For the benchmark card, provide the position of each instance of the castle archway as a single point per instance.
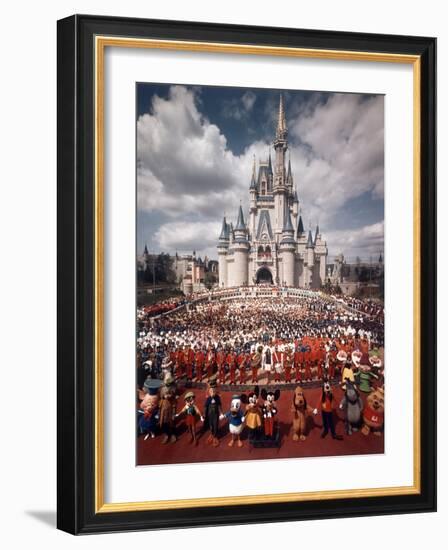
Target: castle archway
(264, 276)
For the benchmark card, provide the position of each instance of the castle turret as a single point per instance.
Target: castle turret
(240, 249)
(300, 228)
(289, 178)
(309, 258)
(316, 235)
(223, 249)
(320, 253)
(280, 186)
(287, 251)
(253, 200)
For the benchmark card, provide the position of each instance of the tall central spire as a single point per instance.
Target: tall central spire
(281, 123)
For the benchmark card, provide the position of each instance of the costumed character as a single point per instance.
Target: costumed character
(364, 375)
(347, 374)
(377, 364)
(148, 413)
(167, 410)
(192, 415)
(253, 414)
(373, 413)
(326, 404)
(352, 406)
(212, 412)
(300, 410)
(269, 410)
(235, 418)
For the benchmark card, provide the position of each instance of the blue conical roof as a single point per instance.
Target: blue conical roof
(224, 230)
(287, 226)
(310, 243)
(240, 225)
(300, 228)
(316, 234)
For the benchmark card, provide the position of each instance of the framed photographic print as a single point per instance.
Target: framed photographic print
(246, 274)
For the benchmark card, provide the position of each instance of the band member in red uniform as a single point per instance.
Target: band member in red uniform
(179, 368)
(297, 363)
(255, 362)
(221, 362)
(287, 364)
(231, 362)
(332, 362)
(189, 360)
(307, 361)
(241, 361)
(277, 359)
(210, 363)
(199, 358)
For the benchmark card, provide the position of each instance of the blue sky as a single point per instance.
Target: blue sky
(195, 148)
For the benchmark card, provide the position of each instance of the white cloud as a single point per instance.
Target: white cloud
(340, 152)
(185, 169)
(239, 108)
(364, 242)
(183, 162)
(188, 236)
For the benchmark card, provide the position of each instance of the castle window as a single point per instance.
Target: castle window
(263, 187)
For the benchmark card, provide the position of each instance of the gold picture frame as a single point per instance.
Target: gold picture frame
(98, 34)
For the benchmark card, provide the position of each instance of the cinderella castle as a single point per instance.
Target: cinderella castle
(272, 246)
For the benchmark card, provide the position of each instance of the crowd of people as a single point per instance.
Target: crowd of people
(240, 340)
(368, 306)
(148, 311)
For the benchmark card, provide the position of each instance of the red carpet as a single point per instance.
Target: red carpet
(152, 451)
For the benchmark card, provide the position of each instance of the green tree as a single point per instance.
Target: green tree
(209, 279)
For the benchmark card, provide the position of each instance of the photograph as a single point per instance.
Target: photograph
(260, 269)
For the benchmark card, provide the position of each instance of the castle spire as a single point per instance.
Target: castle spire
(287, 226)
(252, 182)
(310, 243)
(145, 251)
(224, 236)
(240, 225)
(281, 122)
(300, 228)
(270, 162)
(316, 234)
